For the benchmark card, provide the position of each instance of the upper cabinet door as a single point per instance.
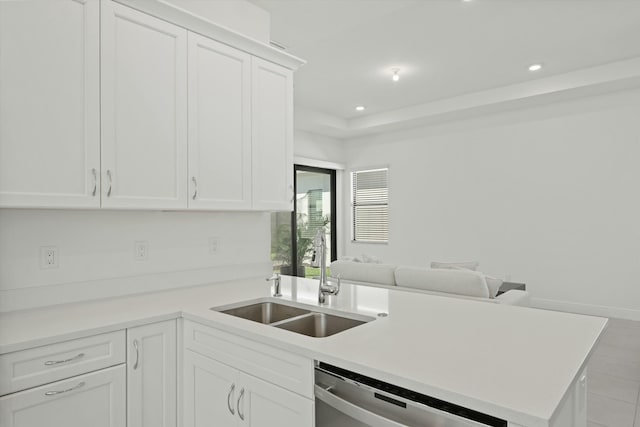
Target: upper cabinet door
(49, 104)
(272, 136)
(219, 125)
(144, 110)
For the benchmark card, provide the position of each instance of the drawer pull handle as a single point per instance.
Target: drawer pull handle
(57, 362)
(229, 405)
(56, 392)
(195, 186)
(95, 182)
(110, 183)
(240, 414)
(135, 345)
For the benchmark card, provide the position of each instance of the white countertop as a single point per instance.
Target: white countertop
(510, 362)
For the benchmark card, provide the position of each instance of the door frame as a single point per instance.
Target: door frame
(294, 213)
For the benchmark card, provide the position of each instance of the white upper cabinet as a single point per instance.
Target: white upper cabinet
(272, 136)
(219, 125)
(49, 104)
(144, 110)
(103, 105)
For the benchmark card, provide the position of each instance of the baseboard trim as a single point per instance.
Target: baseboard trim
(590, 309)
(41, 296)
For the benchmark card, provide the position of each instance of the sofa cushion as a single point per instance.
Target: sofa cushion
(364, 272)
(469, 265)
(452, 281)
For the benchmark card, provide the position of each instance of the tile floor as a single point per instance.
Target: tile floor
(614, 377)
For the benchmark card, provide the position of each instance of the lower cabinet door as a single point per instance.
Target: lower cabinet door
(151, 375)
(266, 405)
(97, 399)
(210, 392)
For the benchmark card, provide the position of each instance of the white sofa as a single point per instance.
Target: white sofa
(459, 283)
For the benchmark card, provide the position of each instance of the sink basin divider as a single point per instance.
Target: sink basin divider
(280, 322)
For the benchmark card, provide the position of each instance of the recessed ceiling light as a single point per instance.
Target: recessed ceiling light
(360, 108)
(467, 1)
(535, 67)
(396, 75)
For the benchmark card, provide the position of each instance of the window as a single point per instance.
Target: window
(370, 204)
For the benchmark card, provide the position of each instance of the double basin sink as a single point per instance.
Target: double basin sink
(300, 319)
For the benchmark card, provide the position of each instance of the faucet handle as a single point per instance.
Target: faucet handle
(276, 276)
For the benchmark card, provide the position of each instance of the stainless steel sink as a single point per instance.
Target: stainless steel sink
(295, 318)
(265, 312)
(319, 325)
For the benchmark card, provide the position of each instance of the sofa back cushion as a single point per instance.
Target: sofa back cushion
(459, 282)
(382, 274)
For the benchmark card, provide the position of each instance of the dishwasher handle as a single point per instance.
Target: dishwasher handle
(354, 411)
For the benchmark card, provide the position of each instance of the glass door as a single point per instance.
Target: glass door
(315, 208)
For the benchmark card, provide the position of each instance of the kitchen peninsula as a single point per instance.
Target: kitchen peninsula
(485, 357)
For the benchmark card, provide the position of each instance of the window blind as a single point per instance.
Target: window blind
(370, 203)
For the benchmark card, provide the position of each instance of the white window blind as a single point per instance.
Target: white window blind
(370, 204)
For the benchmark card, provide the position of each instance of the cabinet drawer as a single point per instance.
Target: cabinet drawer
(96, 399)
(41, 365)
(276, 366)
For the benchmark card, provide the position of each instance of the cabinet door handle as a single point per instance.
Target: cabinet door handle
(229, 398)
(56, 392)
(135, 345)
(110, 183)
(195, 186)
(240, 414)
(293, 194)
(57, 362)
(95, 182)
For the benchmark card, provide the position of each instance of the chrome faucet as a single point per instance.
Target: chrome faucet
(324, 288)
(276, 284)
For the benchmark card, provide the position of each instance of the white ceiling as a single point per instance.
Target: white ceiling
(445, 48)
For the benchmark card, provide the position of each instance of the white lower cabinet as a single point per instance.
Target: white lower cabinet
(266, 405)
(151, 375)
(96, 399)
(220, 395)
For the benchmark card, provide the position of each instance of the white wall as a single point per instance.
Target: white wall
(96, 252)
(549, 196)
(325, 152)
(318, 147)
(239, 15)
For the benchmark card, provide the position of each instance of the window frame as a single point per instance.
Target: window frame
(352, 204)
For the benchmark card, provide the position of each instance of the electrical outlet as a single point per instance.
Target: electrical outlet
(141, 250)
(213, 245)
(48, 257)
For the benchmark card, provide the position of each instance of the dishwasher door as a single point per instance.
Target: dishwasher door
(344, 402)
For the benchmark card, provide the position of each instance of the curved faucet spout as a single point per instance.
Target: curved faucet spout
(324, 288)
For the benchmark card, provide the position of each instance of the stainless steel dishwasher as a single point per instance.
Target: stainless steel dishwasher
(348, 399)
